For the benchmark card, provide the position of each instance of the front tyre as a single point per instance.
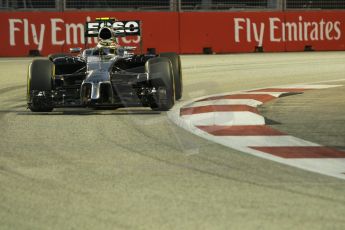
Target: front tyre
(40, 76)
(177, 72)
(161, 77)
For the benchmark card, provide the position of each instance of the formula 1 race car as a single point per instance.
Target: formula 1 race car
(108, 75)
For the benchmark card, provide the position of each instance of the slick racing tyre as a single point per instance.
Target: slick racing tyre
(176, 67)
(40, 77)
(161, 76)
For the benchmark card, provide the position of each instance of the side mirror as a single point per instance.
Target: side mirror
(75, 50)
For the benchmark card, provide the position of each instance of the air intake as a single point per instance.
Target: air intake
(105, 33)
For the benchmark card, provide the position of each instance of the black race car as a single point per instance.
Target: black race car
(107, 75)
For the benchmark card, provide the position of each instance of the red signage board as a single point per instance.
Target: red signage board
(275, 31)
(227, 32)
(186, 32)
(51, 32)
(321, 30)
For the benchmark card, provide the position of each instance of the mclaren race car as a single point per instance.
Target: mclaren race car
(107, 75)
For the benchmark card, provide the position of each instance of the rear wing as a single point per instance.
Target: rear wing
(120, 28)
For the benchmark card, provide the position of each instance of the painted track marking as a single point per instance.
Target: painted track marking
(232, 119)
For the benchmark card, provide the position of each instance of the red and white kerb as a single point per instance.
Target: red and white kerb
(233, 120)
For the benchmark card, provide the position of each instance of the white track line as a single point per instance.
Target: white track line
(225, 118)
(250, 102)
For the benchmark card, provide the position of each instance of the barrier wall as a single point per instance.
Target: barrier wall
(186, 32)
(52, 32)
(227, 32)
(274, 31)
(322, 30)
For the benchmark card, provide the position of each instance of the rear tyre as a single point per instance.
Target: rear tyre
(176, 67)
(161, 77)
(40, 77)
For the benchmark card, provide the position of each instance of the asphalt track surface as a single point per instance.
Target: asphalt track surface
(134, 169)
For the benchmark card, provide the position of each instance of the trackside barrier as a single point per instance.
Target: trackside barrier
(51, 32)
(273, 31)
(323, 31)
(184, 32)
(227, 32)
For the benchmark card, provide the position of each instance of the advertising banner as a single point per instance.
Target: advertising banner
(52, 32)
(231, 32)
(321, 30)
(185, 32)
(226, 32)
